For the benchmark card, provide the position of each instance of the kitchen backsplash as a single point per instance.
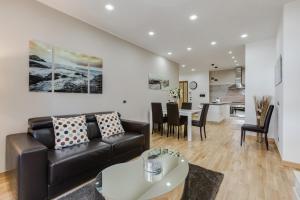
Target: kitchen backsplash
(226, 95)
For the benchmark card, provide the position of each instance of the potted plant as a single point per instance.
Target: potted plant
(175, 94)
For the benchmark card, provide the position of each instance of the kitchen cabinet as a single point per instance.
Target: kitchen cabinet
(218, 112)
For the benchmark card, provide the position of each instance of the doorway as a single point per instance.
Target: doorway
(183, 86)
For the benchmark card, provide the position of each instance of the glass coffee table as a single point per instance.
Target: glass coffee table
(154, 174)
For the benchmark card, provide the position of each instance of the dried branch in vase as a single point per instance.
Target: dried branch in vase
(261, 108)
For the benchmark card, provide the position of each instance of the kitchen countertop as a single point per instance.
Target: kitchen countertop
(219, 104)
(226, 103)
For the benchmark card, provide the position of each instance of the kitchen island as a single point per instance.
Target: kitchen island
(218, 112)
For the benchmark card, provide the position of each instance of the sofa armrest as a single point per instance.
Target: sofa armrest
(138, 127)
(27, 158)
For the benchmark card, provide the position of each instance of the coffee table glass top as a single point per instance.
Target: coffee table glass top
(154, 173)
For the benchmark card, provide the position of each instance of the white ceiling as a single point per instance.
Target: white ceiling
(218, 20)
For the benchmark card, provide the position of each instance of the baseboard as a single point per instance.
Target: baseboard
(291, 164)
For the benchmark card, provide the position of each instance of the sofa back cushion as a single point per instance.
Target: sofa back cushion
(41, 128)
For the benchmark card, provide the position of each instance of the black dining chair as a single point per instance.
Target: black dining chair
(186, 106)
(202, 122)
(174, 119)
(157, 117)
(258, 129)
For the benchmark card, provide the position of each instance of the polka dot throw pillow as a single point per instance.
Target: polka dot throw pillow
(109, 124)
(69, 131)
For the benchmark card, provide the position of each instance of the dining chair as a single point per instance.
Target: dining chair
(157, 117)
(186, 105)
(258, 129)
(202, 122)
(174, 119)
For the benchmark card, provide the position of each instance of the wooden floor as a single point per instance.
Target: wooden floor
(5, 191)
(250, 171)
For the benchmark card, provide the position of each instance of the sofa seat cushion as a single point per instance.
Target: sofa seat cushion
(122, 143)
(75, 160)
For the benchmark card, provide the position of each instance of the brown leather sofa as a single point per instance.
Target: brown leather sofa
(41, 172)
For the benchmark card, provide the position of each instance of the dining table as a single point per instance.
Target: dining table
(189, 114)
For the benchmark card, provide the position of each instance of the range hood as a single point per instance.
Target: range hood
(238, 80)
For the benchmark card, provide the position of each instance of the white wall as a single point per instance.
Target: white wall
(259, 77)
(202, 79)
(286, 94)
(291, 82)
(126, 69)
(279, 95)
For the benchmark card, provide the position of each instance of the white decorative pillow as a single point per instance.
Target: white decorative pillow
(69, 131)
(109, 124)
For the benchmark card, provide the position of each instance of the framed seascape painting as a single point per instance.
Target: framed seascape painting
(155, 82)
(40, 67)
(95, 75)
(60, 70)
(70, 72)
(77, 73)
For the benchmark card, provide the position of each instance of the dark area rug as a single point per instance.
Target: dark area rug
(200, 184)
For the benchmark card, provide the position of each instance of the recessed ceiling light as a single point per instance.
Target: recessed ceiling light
(189, 48)
(233, 57)
(213, 43)
(183, 66)
(245, 35)
(192, 69)
(109, 7)
(237, 64)
(193, 17)
(168, 184)
(151, 33)
(235, 61)
(230, 52)
(170, 53)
